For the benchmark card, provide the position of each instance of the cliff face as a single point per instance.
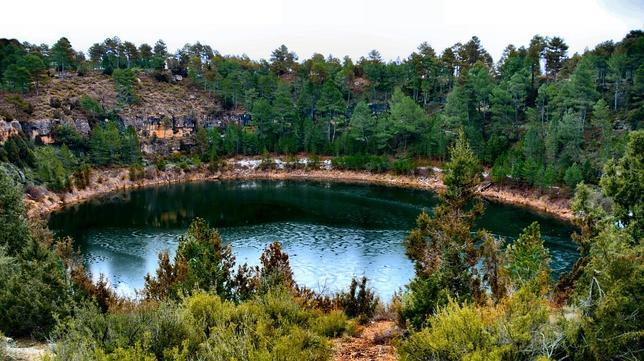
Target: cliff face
(165, 118)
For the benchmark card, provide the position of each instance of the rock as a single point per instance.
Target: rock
(150, 172)
(178, 78)
(35, 192)
(422, 171)
(8, 129)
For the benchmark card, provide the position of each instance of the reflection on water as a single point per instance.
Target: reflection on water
(331, 231)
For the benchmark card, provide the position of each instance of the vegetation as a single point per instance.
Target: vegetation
(543, 126)
(517, 315)
(575, 123)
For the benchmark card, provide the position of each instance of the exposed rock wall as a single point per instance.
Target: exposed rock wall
(8, 129)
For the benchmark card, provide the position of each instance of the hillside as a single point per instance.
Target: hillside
(166, 113)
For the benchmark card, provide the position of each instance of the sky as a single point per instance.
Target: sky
(336, 27)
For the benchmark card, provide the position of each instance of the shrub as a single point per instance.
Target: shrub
(377, 164)
(201, 326)
(20, 104)
(403, 166)
(359, 301)
(334, 324)
(82, 176)
(314, 161)
(202, 262)
(456, 333)
(425, 294)
(33, 291)
(91, 107)
(275, 268)
(68, 135)
(370, 163)
(124, 84)
(573, 175)
(51, 170)
(161, 164)
(136, 172)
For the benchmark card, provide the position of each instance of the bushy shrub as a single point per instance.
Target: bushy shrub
(456, 333)
(20, 104)
(425, 294)
(91, 107)
(201, 262)
(52, 168)
(68, 135)
(403, 166)
(202, 326)
(136, 172)
(359, 301)
(371, 163)
(34, 291)
(82, 176)
(333, 324)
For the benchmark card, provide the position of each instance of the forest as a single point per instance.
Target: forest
(538, 117)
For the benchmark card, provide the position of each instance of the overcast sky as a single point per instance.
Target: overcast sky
(337, 27)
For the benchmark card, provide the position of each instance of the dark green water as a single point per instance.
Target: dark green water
(332, 231)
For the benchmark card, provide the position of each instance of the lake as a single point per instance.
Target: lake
(331, 231)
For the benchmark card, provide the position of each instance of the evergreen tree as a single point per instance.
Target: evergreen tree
(62, 54)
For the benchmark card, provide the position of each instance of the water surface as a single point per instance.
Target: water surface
(331, 231)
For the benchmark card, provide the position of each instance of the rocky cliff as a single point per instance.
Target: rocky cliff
(165, 118)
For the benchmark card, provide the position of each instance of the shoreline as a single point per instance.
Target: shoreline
(109, 180)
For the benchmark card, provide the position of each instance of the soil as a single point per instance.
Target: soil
(367, 345)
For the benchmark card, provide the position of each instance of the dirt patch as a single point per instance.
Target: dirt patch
(26, 350)
(367, 344)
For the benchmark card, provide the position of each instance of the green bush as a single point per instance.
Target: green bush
(359, 301)
(371, 163)
(136, 172)
(34, 291)
(125, 86)
(403, 166)
(92, 108)
(573, 176)
(456, 333)
(424, 296)
(333, 324)
(51, 167)
(201, 326)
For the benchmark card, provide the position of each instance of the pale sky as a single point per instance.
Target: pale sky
(337, 27)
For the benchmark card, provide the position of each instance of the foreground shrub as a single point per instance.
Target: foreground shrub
(34, 290)
(521, 327)
(359, 301)
(333, 324)
(456, 333)
(202, 262)
(424, 296)
(201, 327)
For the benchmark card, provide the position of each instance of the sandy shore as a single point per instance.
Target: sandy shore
(105, 181)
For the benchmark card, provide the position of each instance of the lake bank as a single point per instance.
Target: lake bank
(104, 181)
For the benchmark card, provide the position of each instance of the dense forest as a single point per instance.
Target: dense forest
(538, 116)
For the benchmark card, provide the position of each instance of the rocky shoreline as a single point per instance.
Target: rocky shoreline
(104, 181)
